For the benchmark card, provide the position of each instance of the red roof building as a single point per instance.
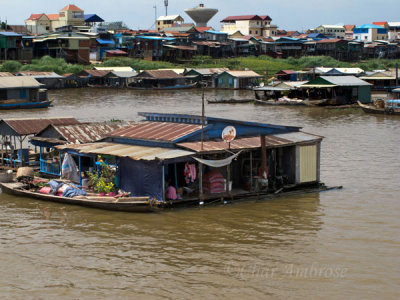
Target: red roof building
(71, 7)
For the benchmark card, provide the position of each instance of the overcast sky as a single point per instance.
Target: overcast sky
(287, 14)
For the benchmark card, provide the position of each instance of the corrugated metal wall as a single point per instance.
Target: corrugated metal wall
(308, 163)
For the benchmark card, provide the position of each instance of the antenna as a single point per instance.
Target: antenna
(166, 7)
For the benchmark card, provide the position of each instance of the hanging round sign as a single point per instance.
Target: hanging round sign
(229, 134)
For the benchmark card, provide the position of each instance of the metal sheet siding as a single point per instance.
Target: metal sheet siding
(308, 163)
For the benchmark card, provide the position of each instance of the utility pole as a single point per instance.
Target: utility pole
(166, 7)
(155, 17)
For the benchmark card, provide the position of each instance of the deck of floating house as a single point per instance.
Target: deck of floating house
(151, 154)
(14, 133)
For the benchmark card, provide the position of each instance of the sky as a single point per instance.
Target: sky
(286, 14)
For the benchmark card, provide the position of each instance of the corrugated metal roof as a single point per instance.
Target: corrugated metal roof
(131, 151)
(122, 74)
(33, 126)
(116, 69)
(94, 73)
(248, 73)
(160, 74)
(159, 131)
(5, 74)
(345, 80)
(9, 33)
(19, 82)
(37, 74)
(271, 141)
(86, 133)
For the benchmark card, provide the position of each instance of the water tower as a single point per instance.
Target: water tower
(201, 15)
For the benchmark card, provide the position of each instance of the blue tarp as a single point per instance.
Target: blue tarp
(9, 33)
(141, 178)
(93, 18)
(105, 42)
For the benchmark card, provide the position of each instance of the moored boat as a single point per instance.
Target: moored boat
(392, 108)
(129, 204)
(229, 101)
(24, 104)
(279, 102)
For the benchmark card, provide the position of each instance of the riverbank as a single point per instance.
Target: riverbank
(263, 65)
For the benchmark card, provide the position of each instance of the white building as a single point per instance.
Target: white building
(168, 21)
(249, 25)
(394, 31)
(370, 33)
(335, 31)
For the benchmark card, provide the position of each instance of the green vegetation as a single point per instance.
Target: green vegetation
(10, 66)
(49, 64)
(137, 64)
(263, 65)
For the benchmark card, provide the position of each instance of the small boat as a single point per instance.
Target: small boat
(229, 101)
(388, 107)
(279, 102)
(24, 105)
(128, 204)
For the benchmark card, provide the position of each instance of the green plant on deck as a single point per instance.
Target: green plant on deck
(104, 181)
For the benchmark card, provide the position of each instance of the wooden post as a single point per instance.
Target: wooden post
(176, 176)
(251, 171)
(263, 156)
(201, 181)
(228, 178)
(163, 182)
(80, 171)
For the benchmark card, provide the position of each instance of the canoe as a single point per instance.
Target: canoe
(25, 105)
(372, 109)
(128, 204)
(230, 101)
(273, 102)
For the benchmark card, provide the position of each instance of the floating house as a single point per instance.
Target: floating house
(164, 157)
(22, 92)
(50, 80)
(338, 89)
(53, 135)
(94, 77)
(381, 81)
(158, 79)
(286, 75)
(119, 79)
(209, 75)
(238, 79)
(14, 133)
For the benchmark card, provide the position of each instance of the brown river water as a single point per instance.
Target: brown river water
(342, 244)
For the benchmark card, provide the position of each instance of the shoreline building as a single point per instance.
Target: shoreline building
(334, 31)
(249, 25)
(70, 15)
(164, 22)
(370, 33)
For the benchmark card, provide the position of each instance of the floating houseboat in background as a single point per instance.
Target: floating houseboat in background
(389, 106)
(22, 92)
(160, 80)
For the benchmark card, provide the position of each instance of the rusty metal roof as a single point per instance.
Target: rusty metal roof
(86, 133)
(164, 74)
(20, 127)
(131, 151)
(158, 131)
(271, 141)
(94, 73)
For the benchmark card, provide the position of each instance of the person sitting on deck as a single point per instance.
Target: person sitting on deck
(170, 192)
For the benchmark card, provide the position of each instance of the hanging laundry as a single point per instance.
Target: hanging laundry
(190, 173)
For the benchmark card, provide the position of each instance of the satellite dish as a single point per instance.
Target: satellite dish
(229, 134)
(262, 84)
